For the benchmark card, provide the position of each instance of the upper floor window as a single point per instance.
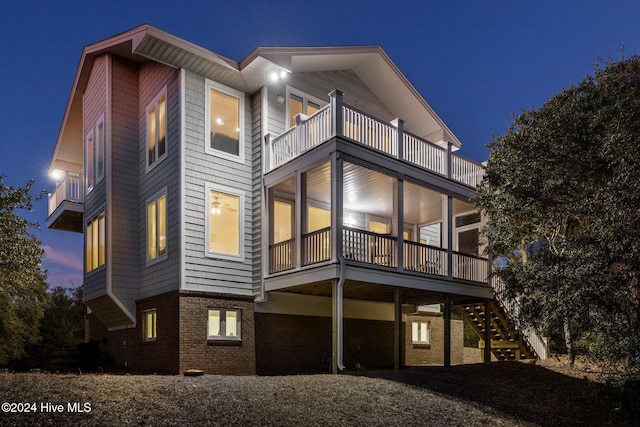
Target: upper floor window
(225, 224)
(157, 129)
(157, 227)
(224, 122)
(95, 242)
(95, 147)
(301, 103)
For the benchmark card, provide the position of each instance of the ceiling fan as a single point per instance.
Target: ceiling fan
(217, 206)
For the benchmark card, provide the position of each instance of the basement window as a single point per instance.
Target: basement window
(149, 325)
(420, 332)
(224, 324)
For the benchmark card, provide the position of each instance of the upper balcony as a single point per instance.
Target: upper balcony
(339, 119)
(66, 204)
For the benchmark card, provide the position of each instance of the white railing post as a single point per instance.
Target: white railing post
(301, 142)
(336, 112)
(448, 164)
(399, 124)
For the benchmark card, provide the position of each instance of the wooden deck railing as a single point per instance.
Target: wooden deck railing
(425, 258)
(282, 256)
(369, 247)
(469, 267)
(316, 246)
(69, 189)
(339, 119)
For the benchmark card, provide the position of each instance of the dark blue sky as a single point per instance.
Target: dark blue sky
(475, 62)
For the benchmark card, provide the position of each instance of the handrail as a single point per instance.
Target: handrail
(316, 246)
(69, 189)
(363, 128)
(282, 256)
(425, 258)
(371, 248)
(529, 332)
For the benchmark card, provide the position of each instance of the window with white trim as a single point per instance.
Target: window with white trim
(95, 147)
(149, 318)
(420, 332)
(225, 222)
(156, 114)
(95, 242)
(224, 124)
(157, 227)
(224, 323)
(299, 102)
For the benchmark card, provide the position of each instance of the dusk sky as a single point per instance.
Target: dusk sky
(475, 62)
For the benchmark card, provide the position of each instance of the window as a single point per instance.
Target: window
(95, 242)
(157, 227)
(225, 225)
(157, 129)
(225, 119)
(95, 152)
(149, 325)
(420, 332)
(224, 323)
(301, 103)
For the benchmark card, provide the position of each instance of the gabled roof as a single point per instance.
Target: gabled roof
(147, 43)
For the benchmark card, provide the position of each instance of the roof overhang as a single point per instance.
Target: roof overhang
(147, 43)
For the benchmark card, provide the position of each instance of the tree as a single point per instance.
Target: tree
(562, 198)
(22, 280)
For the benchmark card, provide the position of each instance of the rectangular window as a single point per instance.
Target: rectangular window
(157, 227)
(225, 225)
(301, 103)
(224, 323)
(225, 120)
(157, 129)
(420, 332)
(149, 325)
(95, 242)
(95, 153)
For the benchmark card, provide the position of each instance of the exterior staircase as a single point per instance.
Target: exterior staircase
(510, 339)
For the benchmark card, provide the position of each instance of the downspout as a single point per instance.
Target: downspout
(339, 313)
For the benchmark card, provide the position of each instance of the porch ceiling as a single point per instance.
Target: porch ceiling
(366, 190)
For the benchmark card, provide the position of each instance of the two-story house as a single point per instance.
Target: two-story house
(263, 215)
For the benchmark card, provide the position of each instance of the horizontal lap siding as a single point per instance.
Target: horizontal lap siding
(124, 182)
(94, 105)
(203, 273)
(164, 275)
(256, 196)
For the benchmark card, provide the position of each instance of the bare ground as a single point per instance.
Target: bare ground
(496, 394)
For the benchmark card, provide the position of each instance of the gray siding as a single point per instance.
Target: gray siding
(319, 85)
(95, 105)
(162, 275)
(124, 182)
(256, 192)
(205, 273)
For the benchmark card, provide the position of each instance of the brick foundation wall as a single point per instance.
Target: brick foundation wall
(159, 355)
(215, 357)
(287, 344)
(433, 353)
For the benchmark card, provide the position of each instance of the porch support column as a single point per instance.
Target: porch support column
(447, 330)
(397, 329)
(449, 237)
(399, 211)
(300, 216)
(487, 332)
(337, 326)
(337, 220)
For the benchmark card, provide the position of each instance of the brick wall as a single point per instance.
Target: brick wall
(433, 353)
(215, 357)
(159, 355)
(287, 344)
